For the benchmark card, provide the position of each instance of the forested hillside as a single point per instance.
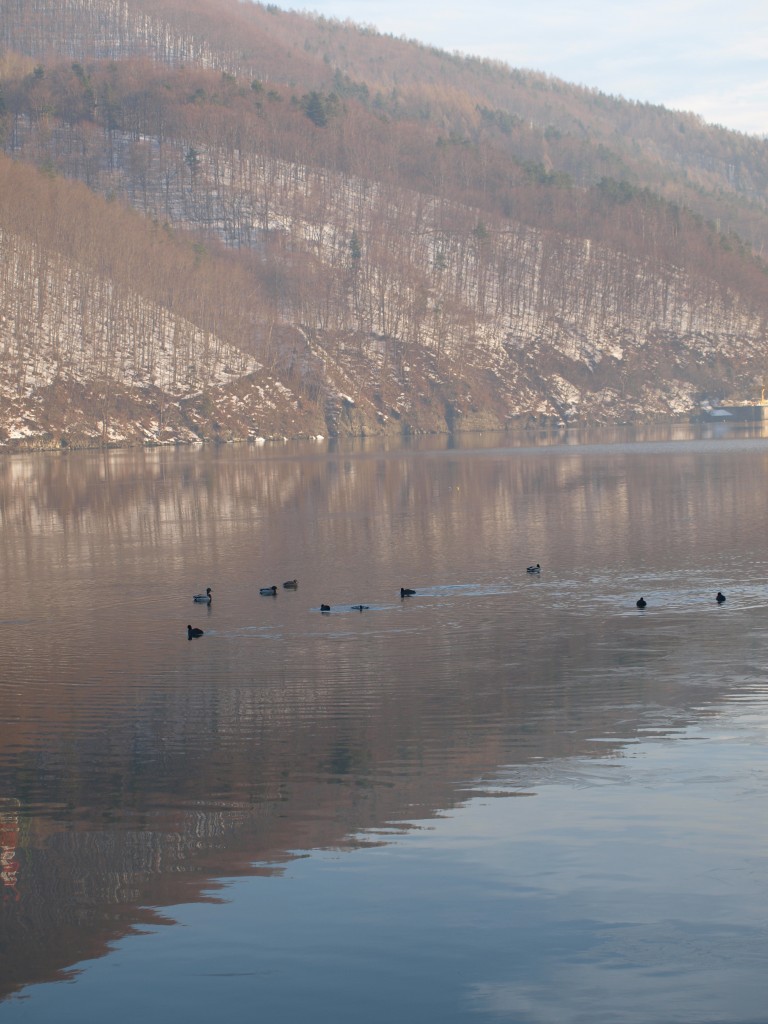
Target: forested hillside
(222, 220)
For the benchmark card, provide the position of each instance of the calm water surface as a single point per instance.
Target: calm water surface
(508, 796)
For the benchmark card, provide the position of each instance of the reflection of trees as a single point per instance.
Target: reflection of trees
(9, 842)
(137, 781)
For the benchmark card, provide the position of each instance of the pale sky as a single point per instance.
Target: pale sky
(705, 56)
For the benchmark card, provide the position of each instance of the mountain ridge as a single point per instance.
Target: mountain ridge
(362, 261)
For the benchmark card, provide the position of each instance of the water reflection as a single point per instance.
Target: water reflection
(9, 841)
(135, 766)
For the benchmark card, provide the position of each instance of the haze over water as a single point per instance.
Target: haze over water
(509, 796)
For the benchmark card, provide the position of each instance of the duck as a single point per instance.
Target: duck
(406, 592)
(203, 598)
(325, 607)
(360, 607)
(720, 597)
(534, 568)
(291, 584)
(193, 631)
(641, 603)
(268, 591)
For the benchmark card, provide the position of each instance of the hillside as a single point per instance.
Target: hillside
(223, 220)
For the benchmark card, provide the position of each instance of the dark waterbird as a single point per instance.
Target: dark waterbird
(642, 603)
(534, 568)
(268, 591)
(193, 631)
(406, 592)
(203, 598)
(720, 597)
(325, 607)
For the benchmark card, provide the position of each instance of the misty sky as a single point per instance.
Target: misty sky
(707, 56)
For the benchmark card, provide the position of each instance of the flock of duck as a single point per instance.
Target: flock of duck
(206, 598)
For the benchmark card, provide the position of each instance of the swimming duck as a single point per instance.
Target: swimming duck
(193, 632)
(325, 607)
(203, 598)
(406, 592)
(534, 568)
(268, 591)
(720, 597)
(291, 584)
(360, 607)
(642, 603)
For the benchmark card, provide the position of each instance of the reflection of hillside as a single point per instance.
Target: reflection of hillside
(134, 839)
(142, 767)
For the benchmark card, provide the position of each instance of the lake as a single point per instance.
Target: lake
(509, 796)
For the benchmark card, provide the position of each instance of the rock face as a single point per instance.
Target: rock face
(183, 388)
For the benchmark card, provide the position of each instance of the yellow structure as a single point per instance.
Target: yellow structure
(748, 411)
